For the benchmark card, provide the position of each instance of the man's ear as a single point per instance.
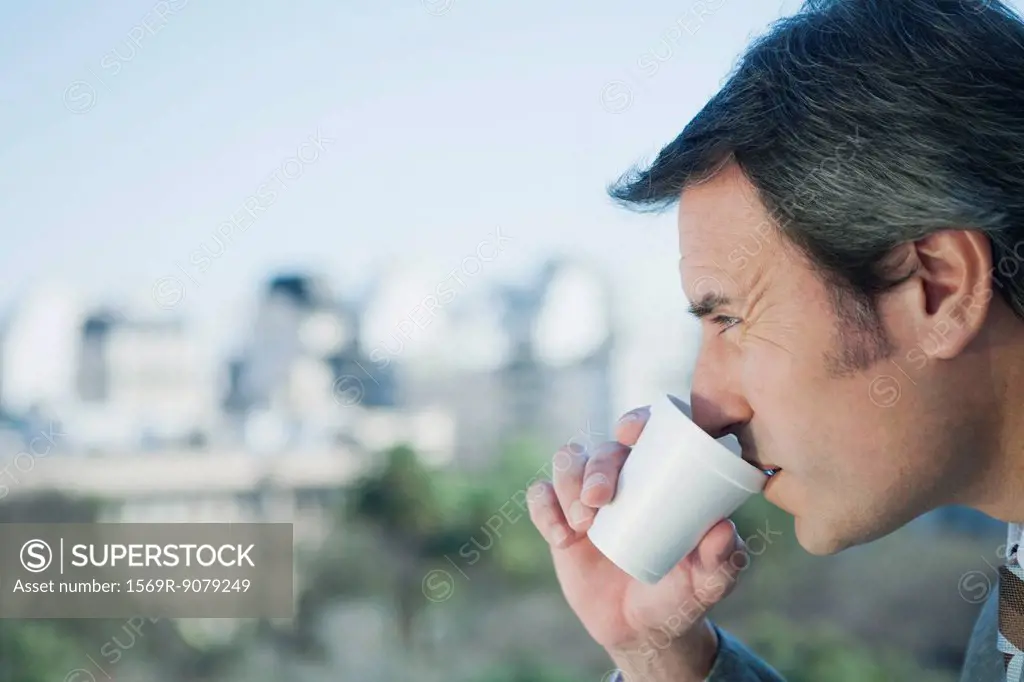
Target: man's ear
(948, 289)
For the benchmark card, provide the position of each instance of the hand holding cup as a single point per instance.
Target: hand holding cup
(621, 612)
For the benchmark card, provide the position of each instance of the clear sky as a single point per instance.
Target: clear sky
(133, 129)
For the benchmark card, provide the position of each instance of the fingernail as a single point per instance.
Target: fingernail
(575, 448)
(594, 479)
(636, 414)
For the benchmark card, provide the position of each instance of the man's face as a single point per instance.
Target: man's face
(862, 444)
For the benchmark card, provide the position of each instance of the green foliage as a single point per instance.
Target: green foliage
(523, 556)
(524, 671)
(349, 564)
(428, 514)
(401, 498)
(39, 650)
(50, 507)
(519, 552)
(36, 651)
(812, 653)
(454, 514)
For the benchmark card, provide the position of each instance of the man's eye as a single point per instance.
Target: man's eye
(725, 321)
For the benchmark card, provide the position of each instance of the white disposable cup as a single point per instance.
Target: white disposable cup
(675, 485)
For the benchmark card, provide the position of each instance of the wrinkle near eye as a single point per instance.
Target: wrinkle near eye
(766, 323)
(760, 336)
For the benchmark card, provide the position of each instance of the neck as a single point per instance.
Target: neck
(999, 487)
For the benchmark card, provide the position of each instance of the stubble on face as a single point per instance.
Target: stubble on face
(859, 340)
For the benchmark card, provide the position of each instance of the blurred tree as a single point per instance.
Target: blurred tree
(487, 528)
(50, 507)
(51, 649)
(43, 650)
(401, 502)
(401, 498)
(32, 651)
(524, 670)
(402, 517)
(522, 556)
(814, 652)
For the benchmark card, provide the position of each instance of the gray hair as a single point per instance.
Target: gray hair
(865, 124)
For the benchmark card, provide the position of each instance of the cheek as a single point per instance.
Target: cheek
(763, 376)
(773, 375)
(805, 420)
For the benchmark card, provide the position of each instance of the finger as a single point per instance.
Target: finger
(631, 424)
(601, 475)
(569, 464)
(546, 514)
(716, 545)
(718, 560)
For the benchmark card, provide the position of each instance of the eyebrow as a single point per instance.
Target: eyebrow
(709, 303)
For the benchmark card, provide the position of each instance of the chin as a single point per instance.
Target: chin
(818, 539)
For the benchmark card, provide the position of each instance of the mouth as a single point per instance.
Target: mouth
(769, 484)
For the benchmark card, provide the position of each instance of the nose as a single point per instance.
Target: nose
(716, 396)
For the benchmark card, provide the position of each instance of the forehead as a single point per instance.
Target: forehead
(724, 227)
(715, 213)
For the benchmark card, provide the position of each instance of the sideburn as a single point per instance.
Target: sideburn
(860, 338)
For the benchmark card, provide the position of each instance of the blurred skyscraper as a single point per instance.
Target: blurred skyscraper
(39, 346)
(456, 376)
(530, 361)
(144, 378)
(300, 377)
(113, 379)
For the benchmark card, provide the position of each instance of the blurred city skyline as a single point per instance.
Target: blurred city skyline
(142, 127)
